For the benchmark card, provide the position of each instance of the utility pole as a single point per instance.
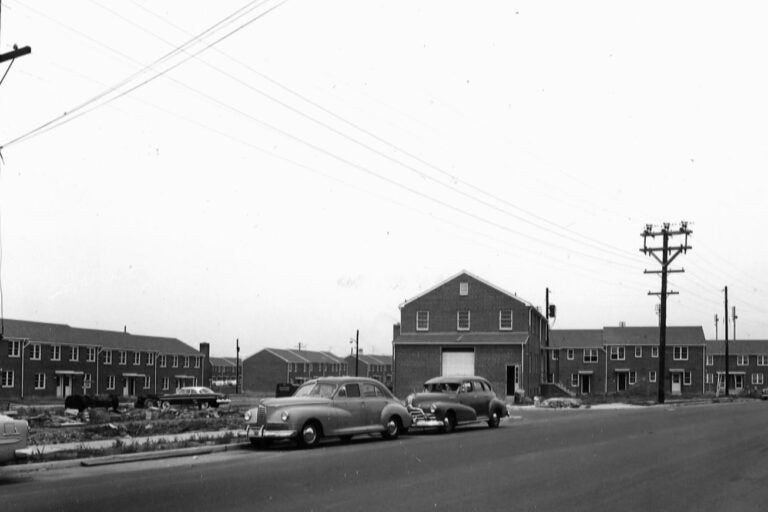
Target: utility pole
(357, 349)
(546, 342)
(668, 255)
(716, 319)
(734, 317)
(12, 56)
(237, 365)
(726, 342)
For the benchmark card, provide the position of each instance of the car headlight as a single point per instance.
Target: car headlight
(284, 416)
(247, 415)
(433, 408)
(409, 400)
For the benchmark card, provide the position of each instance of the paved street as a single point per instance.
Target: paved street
(695, 457)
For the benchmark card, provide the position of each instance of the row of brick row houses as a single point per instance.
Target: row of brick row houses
(271, 366)
(625, 361)
(44, 359)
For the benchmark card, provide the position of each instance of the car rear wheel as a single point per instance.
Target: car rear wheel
(204, 405)
(494, 419)
(393, 428)
(449, 423)
(165, 404)
(310, 434)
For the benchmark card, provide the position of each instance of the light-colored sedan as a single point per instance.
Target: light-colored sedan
(13, 438)
(328, 407)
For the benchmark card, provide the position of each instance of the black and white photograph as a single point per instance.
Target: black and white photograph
(290, 255)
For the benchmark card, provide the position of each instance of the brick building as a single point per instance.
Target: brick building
(466, 325)
(577, 360)
(377, 367)
(747, 367)
(44, 360)
(224, 371)
(271, 366)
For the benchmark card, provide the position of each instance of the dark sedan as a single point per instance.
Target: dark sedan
(195, 396)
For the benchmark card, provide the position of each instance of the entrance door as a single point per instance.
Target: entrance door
(621, 381)
(586, 384)
(63, 386)
(513, 379)
(677, 380)
(129, 388)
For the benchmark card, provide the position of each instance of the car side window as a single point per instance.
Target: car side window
(369, 390)
(466, 387)
(477, 386)
(353, 390)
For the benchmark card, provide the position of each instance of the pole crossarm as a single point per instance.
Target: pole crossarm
(17, 52)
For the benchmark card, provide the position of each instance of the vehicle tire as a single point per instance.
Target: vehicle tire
(494, 419)
(165, 405)
(449, 423)
(393, 428)
(204, 405)
(310, 434)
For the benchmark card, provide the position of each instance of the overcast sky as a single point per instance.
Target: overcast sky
(321, 162)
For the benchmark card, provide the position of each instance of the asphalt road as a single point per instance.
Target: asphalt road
(695, 457)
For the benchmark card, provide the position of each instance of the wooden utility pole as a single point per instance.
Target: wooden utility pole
(668, 255)
(357, 350)
(734, 317)
(726, 342)
(237, 365)
(716, 320)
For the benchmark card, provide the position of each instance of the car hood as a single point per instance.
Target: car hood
(427, 398)
(295, 401)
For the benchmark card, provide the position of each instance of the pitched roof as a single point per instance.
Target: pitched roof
(66, 335)
(303, 356)
(738, 347)
(224, 361)
(576, 338)
(466, 273)
(464, 338)
(676, 335)
(370, 359)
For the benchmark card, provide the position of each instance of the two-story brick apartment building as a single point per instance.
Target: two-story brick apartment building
(466, 325)
(42, 359)
(271, 366)
(625, 360)
(747, 367)
(377, 367)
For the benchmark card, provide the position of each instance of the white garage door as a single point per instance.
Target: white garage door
(458, 363)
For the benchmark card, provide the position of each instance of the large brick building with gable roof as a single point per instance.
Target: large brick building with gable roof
(271, 366)
(466, 325)
(42, 359)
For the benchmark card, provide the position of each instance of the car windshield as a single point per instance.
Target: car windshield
(441, 387)
(323, 389)
(206, 391)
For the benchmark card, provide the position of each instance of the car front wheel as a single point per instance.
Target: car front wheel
(494, 419)
(392, 428)
(449, 423)
(165, 404)
(309, 435)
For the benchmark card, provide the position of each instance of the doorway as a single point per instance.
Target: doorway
(63, 386)
(586, 384)
(513, 379)
(621, 381)
(677, 381)
(129, 388)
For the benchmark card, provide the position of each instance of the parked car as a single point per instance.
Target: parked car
(764, 394)
(13, 437)
(328, 407)
(448, 402)
(195, 396)
(82, 402)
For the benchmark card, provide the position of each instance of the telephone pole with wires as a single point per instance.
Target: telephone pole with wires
(12, 55)
(668, 255)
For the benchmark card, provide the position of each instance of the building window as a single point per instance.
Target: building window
(654, 351)
(762, 360)
(742, 360)
(680, 353)
(757, 378)
(74, 354)
(638, 351)
(709, 378)
(199, 359)
(6, 379)
(107, 357)
(618, 353)
(687, 378)
(422, 320)
(37, 351)
(569, 354)
(505, 320)
(738, 382)
(87, 381)
(186, 361)
(166, 383)
(136, 358)
(175, 362)
(150, 358)
(590, 355)
(14, 348)
(39, 381)
(147, 382)
(110, 382)
(464, 288)
(632, 378)
(123, 357)
(710, 360)
(462, 320)
(56, 353)
(91, 355)
(575, 380)
(651, 376)
(555, 355)
(162, 360)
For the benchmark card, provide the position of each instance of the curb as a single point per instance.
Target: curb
(125, 457)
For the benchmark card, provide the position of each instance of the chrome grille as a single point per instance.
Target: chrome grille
(261, 415)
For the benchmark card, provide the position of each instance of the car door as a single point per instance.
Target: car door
(375, 401)
(353, 418)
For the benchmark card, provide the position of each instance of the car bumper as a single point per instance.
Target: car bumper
(263, 433)
(419, 419)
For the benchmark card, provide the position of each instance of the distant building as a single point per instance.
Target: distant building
(377, 367)
(224, 371)
(271, 366)
(42, 359)
(747, 367)
(466, 325)
(578, 360)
